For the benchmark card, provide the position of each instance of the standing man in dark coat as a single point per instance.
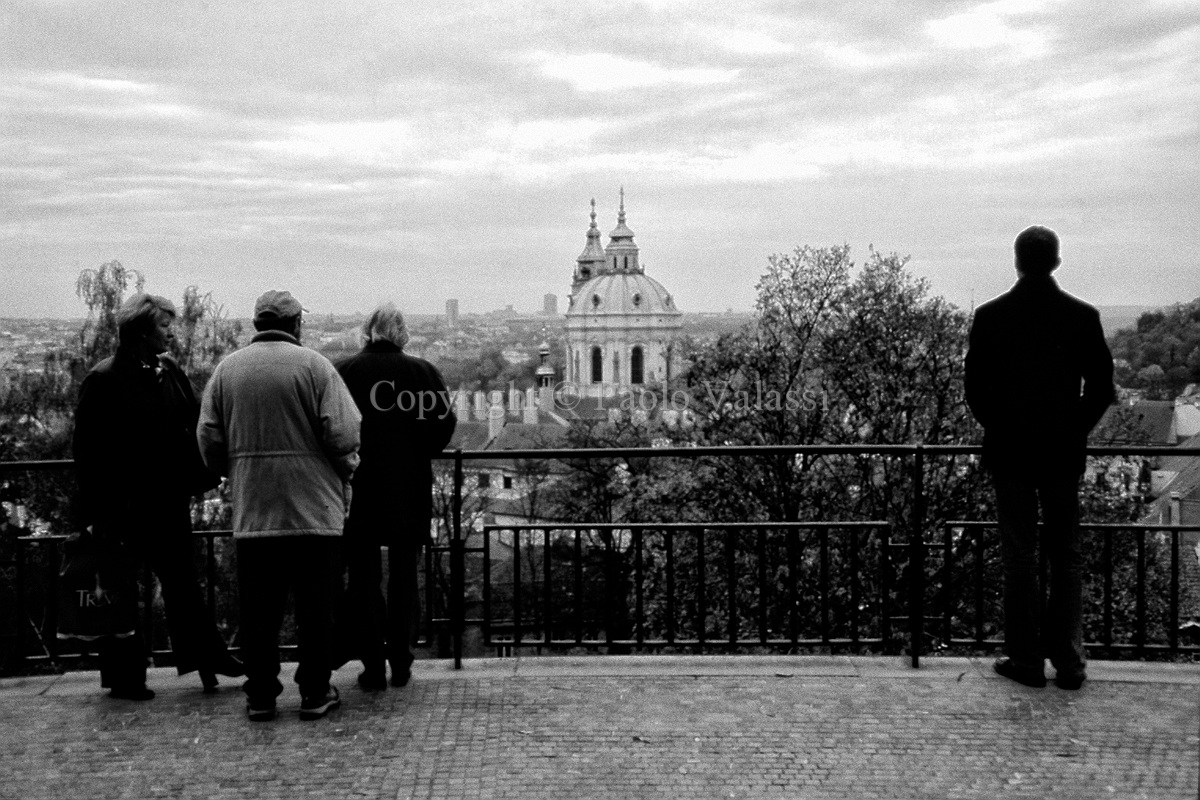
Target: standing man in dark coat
(1039, 378)
(407, 419)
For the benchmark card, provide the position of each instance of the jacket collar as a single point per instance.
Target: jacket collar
(1036, 283)
(274, 336)
(381, 346)
(127, 360)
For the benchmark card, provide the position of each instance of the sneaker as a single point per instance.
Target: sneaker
(317, 707)
(260, 712)
(1023, 675)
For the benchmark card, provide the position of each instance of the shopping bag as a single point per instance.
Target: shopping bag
(97, 589)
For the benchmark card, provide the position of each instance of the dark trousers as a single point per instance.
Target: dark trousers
(383, 627)
(1033, 633)
(269, 568)
(165, 544)
(123, 662)
(195, 641)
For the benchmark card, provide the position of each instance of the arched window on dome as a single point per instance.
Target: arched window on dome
(597, 365)
(636, 371)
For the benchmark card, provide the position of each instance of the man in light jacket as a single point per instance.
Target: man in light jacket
(279, 422)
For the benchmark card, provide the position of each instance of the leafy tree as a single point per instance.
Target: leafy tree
(102, 291)
(204, 335)
(764, 385)
(1161, 353)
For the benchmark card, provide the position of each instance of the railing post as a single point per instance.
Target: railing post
(457, 568)
(21, 614)
(49, 631)
(916, 558)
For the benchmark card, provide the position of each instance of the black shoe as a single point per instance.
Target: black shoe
(1022, 675)
(317, 707)
(260, 712)
(1070, 680)
(372, 680)
(402, 677)
(132, 693)
(209, 681)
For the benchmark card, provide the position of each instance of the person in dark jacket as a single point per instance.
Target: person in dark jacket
(1039, 378)
(407, 419)
(138, 466)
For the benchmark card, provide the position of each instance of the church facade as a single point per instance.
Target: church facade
(621, 325)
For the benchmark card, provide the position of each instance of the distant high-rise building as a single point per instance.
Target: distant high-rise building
(550, 305)
(452, 313)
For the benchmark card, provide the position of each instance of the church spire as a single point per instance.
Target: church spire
(591, 261)
(621, 255)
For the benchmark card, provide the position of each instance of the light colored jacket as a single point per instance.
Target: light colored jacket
(278, 420)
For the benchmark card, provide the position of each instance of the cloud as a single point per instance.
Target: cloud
(362, 142)
(990, 26)
(602, 72)
(751, 42)
(381, 131)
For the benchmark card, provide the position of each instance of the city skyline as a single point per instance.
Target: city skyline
(419, 152)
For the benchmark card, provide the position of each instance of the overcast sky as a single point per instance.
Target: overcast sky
(419, 151)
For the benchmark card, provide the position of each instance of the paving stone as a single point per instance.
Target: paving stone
(622, 728)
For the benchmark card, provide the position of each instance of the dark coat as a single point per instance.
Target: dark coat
(1038, 378)
(408, 417)
(134, 444)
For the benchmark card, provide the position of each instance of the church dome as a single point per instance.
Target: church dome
(621, 293)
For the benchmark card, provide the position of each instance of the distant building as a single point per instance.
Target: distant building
(622, 325)
(452, 313)
(1147, 422)
(550, 305)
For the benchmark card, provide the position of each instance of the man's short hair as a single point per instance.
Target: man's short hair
(386, 323)
(138, 315)
(1036, 250)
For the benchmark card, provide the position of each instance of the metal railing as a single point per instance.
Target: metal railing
(896, 607)
(551, 613)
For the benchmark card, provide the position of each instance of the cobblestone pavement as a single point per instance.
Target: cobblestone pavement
(623, 727)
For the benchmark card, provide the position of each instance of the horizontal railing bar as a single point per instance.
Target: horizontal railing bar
(62, 537)
(214, 534)
(1096, 526)
(33, 466)
(680, 642)
(788, 449)
(1158, 648)
(642, 526)
(696, 452)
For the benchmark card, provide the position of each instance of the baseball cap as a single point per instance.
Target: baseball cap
(276, 305)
